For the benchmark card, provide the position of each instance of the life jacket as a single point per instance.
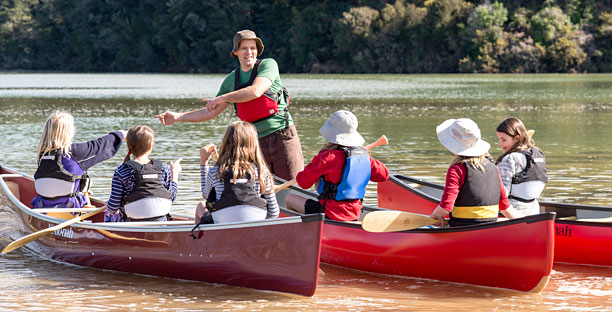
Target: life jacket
(149, 198)
(528, 184)
(355, 176)
(262, 107)
(53, 180)
(478, 198)
(239, 193)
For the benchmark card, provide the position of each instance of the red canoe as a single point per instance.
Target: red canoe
(279, 254)
(515, 254)
(583, 233)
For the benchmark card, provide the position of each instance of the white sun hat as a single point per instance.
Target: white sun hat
(462, 137)
(341, 128)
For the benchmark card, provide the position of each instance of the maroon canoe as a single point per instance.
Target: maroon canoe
(279, 254)
(515, 254)
(577, 242)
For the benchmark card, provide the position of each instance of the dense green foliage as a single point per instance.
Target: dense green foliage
(339, 36)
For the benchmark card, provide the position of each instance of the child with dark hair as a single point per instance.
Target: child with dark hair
(142, 189)
(522, 166)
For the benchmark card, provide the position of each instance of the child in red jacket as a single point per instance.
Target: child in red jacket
(341, 170)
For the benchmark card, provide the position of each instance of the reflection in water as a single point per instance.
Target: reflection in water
(570, 114)
(31, 283)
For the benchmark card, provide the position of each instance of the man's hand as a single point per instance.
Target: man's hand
(168, 118)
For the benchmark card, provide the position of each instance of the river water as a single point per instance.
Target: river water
(570, 114)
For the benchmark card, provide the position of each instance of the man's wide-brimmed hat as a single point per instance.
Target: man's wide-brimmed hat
(462, 137)
(341, 128)
(246, 34)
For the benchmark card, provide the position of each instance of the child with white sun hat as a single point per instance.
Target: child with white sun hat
(473, 192)
(342, 170)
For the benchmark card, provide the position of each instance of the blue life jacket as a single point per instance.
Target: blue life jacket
(355, 177)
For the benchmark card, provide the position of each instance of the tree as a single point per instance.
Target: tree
(485, 38)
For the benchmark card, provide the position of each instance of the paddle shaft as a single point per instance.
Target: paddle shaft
(34, 236)
(381, 141)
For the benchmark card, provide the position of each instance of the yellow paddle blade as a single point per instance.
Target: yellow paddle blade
(531, 132)
(34, 236)
(393, 221)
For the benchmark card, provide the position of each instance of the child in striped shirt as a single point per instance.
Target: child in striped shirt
(142, 188)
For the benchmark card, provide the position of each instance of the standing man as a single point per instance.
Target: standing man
(257, 93)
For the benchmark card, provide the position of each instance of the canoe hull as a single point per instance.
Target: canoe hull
(576, 242)
(515, 254)
(279, 255)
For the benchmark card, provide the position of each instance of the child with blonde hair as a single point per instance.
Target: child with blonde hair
(473, 192)
(61, 177)
(522, 166)
(142, 189)
(241, 184)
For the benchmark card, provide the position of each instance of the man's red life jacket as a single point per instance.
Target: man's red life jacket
(259, 108)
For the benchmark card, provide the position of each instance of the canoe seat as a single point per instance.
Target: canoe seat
(14, 187)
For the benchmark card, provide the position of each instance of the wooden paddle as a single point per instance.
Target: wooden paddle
(393, 221)
(381, 141)
(34, 236)
(531, 132)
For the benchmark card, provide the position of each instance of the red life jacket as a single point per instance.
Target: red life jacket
(262, 107)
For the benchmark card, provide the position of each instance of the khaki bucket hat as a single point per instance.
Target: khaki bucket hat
(246, 34)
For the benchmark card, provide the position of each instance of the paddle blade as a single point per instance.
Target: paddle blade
(393, 221)
(531, 132)
(34, 236)
(381, 141)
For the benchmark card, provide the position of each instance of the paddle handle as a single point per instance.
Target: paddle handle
(88, 201)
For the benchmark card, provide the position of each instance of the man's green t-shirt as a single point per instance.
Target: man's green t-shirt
(268, 68)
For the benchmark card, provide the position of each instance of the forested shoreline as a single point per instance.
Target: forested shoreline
(358, 36)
